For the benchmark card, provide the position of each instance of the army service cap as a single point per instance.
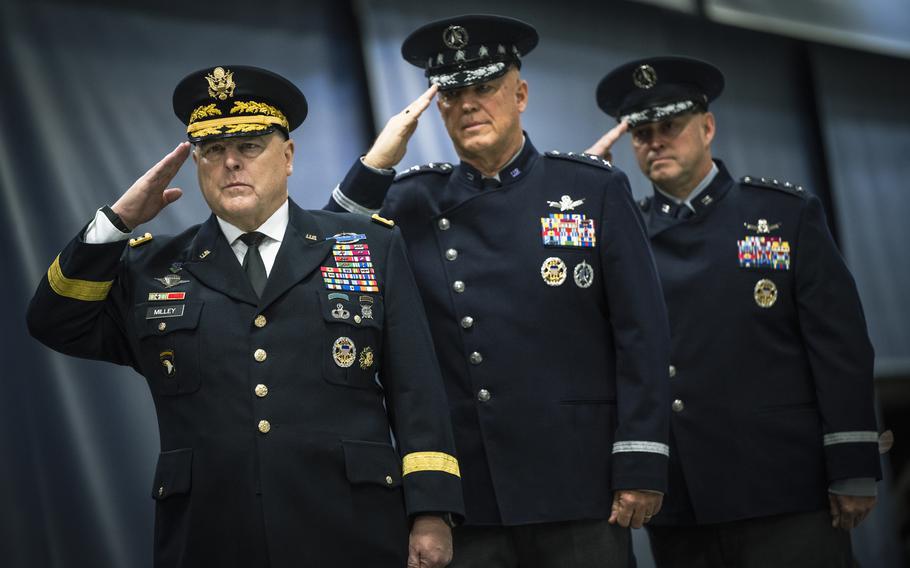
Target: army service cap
(658, 88)
(236, 100)
(466, 50)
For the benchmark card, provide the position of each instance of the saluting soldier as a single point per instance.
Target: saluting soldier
(773, 454)
(261, 333)
(544, 305)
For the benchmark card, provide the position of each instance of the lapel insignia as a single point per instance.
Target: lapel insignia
(204, 254)
(583, 275)
(762, 227)
(171, 280)
(344, 352)
(567, 230)
(764, 252)
(553, 271)
(566, 203)
(310, 237)
(765, 293)
(167, 362)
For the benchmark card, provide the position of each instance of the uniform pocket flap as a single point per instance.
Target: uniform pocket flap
(173, 475)
(357, 309)
(372, 462)
(161, 319)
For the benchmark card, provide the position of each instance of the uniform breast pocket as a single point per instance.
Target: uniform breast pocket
(169, 346)
(353, 337)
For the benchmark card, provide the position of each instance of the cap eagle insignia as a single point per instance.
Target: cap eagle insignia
(221, 83)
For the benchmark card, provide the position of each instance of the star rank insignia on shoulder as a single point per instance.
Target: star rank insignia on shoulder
(135, 242)
(382, 221)
(443, 168)
(769, 183)
(583, 158)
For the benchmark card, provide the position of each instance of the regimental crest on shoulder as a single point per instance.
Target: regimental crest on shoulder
(583, 158)
(221, 83)
(443, 168)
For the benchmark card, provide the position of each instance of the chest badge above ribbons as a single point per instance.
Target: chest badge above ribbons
(566, 203)
(553, 271)
(171, 280)
(762, 227)
(567, 230)
(764, 252)
(765, 293)
(344, 352)
(583, 274)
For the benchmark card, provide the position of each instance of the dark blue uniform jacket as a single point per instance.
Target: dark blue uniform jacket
(304, 467)
(548, 320)
(771, 372)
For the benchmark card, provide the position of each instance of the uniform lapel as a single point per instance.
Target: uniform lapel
(299, 256)
(213, 262)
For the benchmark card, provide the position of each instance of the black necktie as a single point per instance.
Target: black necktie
(252, 261)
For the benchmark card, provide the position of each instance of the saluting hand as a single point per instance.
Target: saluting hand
(633, 508)
(430, 543)
(150, 194)
(392, 142)
(603, 146)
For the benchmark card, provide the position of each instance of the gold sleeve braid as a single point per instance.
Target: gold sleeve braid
(430, 461)
(85, 290)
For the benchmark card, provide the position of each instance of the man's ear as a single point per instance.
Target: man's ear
(521, 95)
(708, 127)
(289, 155)
(193, 153)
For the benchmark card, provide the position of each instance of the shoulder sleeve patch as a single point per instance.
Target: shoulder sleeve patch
(382, 221)
(443, 168)
(582, 158)
(768, 183)
(140, 240)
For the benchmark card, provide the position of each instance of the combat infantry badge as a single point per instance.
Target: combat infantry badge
(765, 293)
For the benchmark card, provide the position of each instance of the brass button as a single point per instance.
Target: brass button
(161, 491)
(162, 326)
(672, 371)
(260, 321)
(467, 322)
(451, 254)
(483, 395)
(458, 286)
(264, 426)
(678, 405)
(444, 224)
(476, 358)
(261, 390)
(260, 355)
(389, 480)
(357, 319)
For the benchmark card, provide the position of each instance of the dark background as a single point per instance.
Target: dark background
(816, 94)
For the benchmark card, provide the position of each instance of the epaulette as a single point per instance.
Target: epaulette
(583, 158)
(382, 221)
(140, 240)
(443, 168)
(769, 183)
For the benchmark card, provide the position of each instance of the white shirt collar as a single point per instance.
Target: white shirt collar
(702, 185)
(274, 227)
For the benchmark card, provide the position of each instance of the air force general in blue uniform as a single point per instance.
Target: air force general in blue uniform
(545, 309)
(274, 428)
(771, 372)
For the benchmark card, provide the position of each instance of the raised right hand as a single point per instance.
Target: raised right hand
(603, 146)
(392, 142)
(150, 194)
